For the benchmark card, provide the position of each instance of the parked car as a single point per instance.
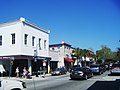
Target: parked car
(81, 73)
(10, 84)
(97, 68)
(59, 71)
(73, 67)
(115, 68)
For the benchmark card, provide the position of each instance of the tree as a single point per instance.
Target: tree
(118, 53)
(77, 53)
(86, 53)
(105, 53)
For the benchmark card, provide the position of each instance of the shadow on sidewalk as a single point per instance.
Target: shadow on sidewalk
(105, 85)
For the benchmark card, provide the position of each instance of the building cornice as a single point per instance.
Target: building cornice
(33, 25)
(24, 21)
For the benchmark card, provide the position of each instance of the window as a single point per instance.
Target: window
(39, 43)
(13, 38)
(25, 38)
(33, 41)
(45, 44)
(53, 49)
(0, 40)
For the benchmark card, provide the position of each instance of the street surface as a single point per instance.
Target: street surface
(63, 82)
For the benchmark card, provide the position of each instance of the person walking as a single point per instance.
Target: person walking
(24, 72)
(17, 72)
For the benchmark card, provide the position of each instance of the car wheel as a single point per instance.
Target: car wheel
(71, 78)
(86, 77)
(92, 75)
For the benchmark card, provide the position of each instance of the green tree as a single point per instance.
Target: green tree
(104, 53)
(86, 53)
(77, 53)
(118, 54)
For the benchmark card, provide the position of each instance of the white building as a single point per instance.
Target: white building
(20, 40)
(61, 55)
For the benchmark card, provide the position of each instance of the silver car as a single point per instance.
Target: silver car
(115, 68)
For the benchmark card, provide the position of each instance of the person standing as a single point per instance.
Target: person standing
(17, 72)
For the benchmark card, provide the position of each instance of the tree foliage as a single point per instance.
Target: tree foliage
(104, 53)
(79, 53)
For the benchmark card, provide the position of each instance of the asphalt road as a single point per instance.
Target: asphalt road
(63, 82)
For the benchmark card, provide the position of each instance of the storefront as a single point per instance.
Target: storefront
(12, 62)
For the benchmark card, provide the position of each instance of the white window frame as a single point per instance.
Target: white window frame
(33, 40)
(45, 44)
(13, 38)
(0, 40)
(26, 39)
(40, 44)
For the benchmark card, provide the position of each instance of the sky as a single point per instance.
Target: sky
(86, 24)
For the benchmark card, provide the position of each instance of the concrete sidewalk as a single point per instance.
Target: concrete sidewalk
(40, 77)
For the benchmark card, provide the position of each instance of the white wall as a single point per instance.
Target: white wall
(54, 55)
(7, 48)
(29, 49)
(19, 48)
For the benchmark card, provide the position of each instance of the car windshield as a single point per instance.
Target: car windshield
(79, 69)
(116, 65)
(57, 69)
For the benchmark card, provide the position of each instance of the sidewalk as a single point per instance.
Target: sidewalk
(40, 77)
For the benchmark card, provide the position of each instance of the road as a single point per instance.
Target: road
(63, 82)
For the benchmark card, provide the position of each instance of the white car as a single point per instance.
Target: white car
(115, 68)
(10, 84)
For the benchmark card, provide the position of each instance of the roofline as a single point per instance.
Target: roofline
(55, 45)
(33, 25)
(23, 20)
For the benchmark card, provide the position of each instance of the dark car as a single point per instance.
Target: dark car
(73, 67)
(59, 71)
(81, 73)
(97, 68)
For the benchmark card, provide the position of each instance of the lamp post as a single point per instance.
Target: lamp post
(35, 60)
(36, 57)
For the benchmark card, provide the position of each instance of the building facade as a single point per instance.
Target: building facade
(61, 55)
(23, 44)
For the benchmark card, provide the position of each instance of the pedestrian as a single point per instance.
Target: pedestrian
(24, 72)
(17, 72)
(28, 76)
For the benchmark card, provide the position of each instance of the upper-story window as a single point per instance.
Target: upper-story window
(13, 38)
(33, 41)
(45, 41)
(25, 38)
(0, 40)
(53, 48)
(39, 43)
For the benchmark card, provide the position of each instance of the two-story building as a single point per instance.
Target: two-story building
(24, 44)
(61, 55)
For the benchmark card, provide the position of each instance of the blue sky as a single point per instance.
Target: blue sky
(81, 23)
